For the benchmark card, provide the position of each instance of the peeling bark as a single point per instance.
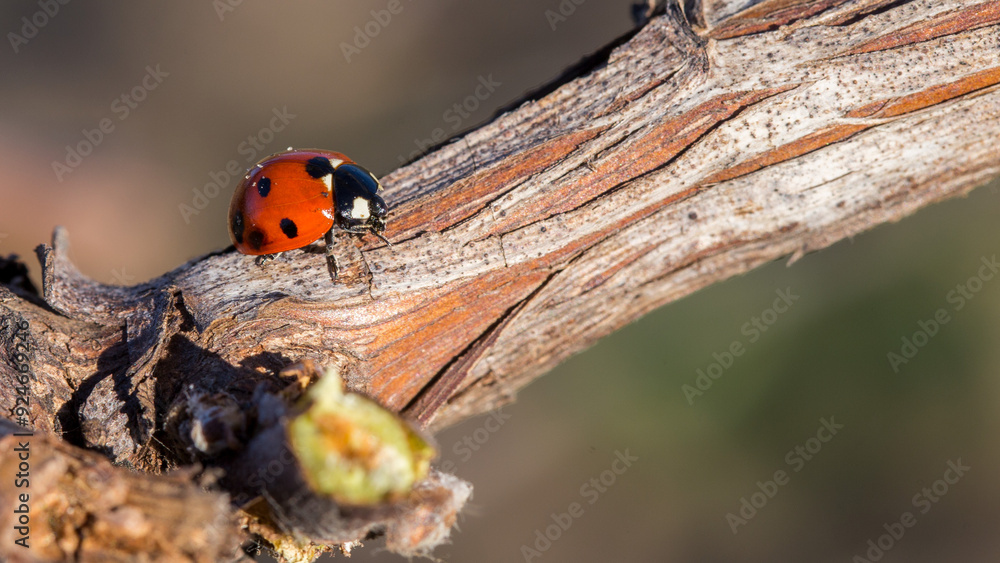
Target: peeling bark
(683, 155)
(84, 509)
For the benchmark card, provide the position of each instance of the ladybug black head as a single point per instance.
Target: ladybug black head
(359, 207)
(379, 210)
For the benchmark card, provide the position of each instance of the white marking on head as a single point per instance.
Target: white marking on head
(377, 183)
(328, 182)
(360, 210)
(335, 162)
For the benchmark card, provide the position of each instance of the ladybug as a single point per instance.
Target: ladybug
(291, 199)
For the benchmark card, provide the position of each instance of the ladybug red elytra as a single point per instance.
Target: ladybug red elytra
(291, 199)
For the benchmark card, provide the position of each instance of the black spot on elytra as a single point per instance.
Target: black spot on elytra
(264, 186)
(318, 166)
(237, 227)
(255, 239)
(289, 228)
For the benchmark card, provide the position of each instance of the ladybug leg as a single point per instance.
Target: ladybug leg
(331, 259)
(379, 235)
(264, 259)
(363, 230)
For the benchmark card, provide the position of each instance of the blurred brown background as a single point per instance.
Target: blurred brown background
(225, 68)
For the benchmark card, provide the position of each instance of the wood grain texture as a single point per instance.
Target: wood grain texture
(686, 154)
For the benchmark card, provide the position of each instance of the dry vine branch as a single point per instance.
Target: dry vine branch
(684, 155)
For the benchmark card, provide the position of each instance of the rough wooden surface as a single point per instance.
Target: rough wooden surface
(84, 509)
(717, 138)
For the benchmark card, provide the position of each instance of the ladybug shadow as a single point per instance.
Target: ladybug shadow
(112, 363)
(189, 371)
(184, 371)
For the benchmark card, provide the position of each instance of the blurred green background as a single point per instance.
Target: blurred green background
(230, 65)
